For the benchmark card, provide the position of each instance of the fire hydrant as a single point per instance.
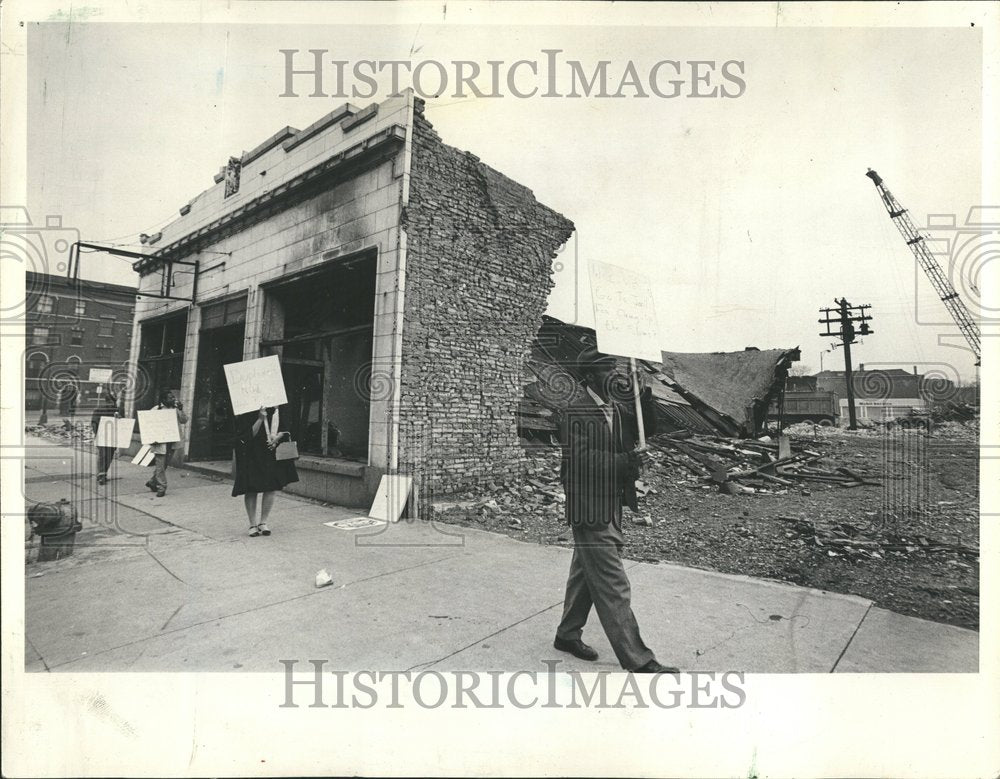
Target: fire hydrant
(56, 524)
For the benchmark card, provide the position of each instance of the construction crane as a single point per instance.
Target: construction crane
(930, 266)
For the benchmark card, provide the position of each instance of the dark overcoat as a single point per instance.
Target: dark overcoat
(599, 464)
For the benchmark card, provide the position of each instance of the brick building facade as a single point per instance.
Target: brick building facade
(400, 282)
(73, 328)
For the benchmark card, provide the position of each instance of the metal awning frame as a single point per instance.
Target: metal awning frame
(166, 282)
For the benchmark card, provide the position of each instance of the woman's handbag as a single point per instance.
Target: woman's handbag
(286, 450)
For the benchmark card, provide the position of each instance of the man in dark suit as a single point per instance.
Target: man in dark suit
(600, 463)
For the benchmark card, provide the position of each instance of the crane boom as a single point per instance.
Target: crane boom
(930, 266)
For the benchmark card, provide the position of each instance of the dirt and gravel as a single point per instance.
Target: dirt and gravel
(909, 542)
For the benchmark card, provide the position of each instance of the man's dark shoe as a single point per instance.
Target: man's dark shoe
(653, 667)
(576, 648)
(152, 487)
(160, 493)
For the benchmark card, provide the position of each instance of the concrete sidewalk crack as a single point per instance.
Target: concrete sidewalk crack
(35, 650)
(157, 559)
(851, 639)
(484, 638)
(176, 611)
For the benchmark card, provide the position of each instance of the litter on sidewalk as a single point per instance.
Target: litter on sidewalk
(323, 578)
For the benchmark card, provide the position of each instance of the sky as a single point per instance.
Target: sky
(747, 215)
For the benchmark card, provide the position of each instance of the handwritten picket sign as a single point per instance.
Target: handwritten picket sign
(115, 433)
(159, 426)
(255, 383)
(624, 312)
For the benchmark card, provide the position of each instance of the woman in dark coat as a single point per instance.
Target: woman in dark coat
(257, 471)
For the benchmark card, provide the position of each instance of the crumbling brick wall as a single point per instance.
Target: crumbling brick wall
(478, 275)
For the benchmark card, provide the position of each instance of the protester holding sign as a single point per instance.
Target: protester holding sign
(258, 471)
(163, 450)
(108, 405)
(599, 466)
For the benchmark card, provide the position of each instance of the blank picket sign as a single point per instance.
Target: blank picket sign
(114, 433)
(390, 500)
(100, 375)
(141, 456)
(159, 426)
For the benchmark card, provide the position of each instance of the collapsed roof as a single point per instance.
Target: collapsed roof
(720, 393)
(738, 386)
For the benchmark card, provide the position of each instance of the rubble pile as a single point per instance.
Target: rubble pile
(966, 431)
(63, 434)
(676, 461)
(816, 432)
(745, 467)
(520, 502)
(844, 539)
(954, 411)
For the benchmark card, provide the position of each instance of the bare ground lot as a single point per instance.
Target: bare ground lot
(911, 544)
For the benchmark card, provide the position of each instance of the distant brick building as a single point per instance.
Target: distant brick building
(886, 393)
(878, 384)
(73, 328)
(399, 280)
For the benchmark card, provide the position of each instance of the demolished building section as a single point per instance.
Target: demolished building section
(478, 275)
(723, 393)
(733, 388)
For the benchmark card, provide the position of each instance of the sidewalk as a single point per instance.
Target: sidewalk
(175, 584)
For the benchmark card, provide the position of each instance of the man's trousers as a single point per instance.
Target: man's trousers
(105, 456)
(597, 577)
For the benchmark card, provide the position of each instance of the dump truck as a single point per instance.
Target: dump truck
(818, 408)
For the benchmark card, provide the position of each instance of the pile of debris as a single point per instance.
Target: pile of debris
(745, 466)
(677, 460)
(847, 540)
(62, 433)
(514, 503)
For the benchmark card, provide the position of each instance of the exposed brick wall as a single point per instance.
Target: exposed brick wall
(480, 250)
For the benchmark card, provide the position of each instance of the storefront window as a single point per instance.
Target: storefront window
(320, 326)
(161, 357)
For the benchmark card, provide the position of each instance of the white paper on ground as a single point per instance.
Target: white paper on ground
(323, 578)
(355, 524)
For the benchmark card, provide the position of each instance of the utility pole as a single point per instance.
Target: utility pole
(845, 315)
